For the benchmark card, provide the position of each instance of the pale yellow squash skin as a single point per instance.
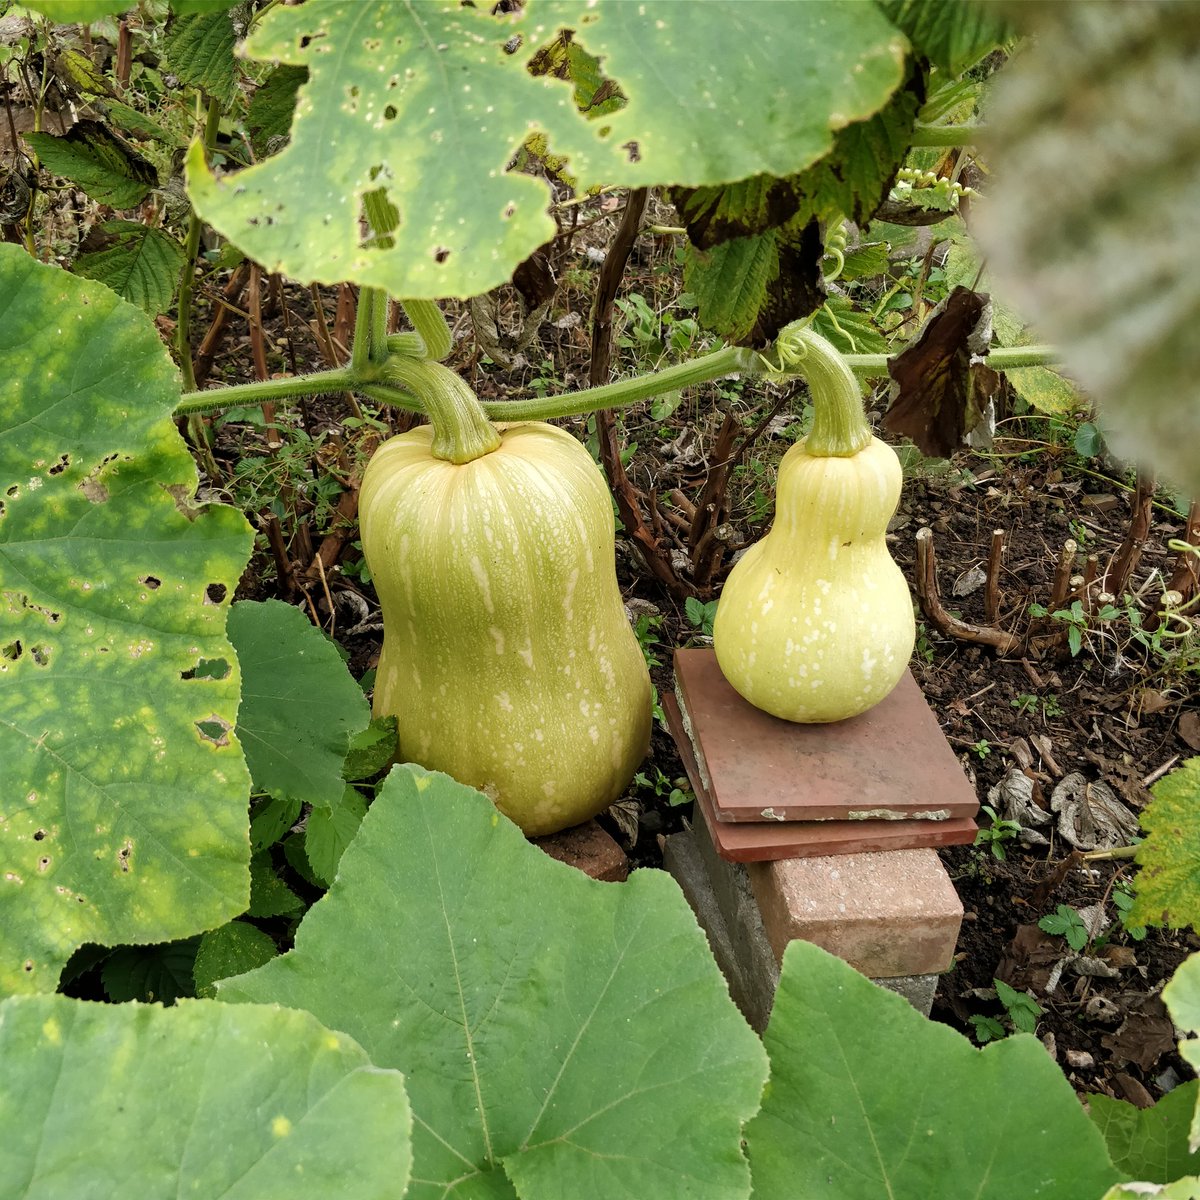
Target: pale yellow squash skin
(507, 659)
(815, 623)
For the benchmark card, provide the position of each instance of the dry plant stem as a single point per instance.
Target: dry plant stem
(1062, 575)
(1126, 561)
(230, 295)
(931, 604)
(124, 56)
(1185, 579)
(283, 564)
(628, 500)
(325, 341)
(259, 350)
(183, 329)
(991, 593)
(343, 321)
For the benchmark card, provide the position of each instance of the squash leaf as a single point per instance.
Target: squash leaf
(378, 112)
(1149, 1143)
(300, 706)
(501, 982)
(1182, 996)
(207, 1100)
(868, 1099)
(124, 798)
(1168, 884)
(1100, 263)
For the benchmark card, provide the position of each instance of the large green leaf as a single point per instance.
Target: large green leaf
(424, 101)
(1182, 996)
(1091, 228)
(300, 706)
(869, 1099)
(123, 793)
(207, 1100)
(1149, 1143)
(1168, 884)
(572, 1037)
(199, 50)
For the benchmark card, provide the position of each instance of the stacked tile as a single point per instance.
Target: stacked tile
(769, 789)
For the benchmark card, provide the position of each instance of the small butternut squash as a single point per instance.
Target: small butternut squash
(507, 658)
(815, 622)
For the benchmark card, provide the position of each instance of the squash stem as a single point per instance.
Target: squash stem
(840, 428)
(426, 318)
(370, 330)
(461, 430)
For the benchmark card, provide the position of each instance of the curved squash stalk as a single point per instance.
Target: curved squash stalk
(507, 657)
(815, 622)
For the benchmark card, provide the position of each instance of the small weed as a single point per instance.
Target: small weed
(701, 614)
(1067, 923)
(982, 748)
(1022, 1010)
(924, 647)
(676, 791)
(1122, 898)
(1030, 705)
(999, 831)
(987, 1029)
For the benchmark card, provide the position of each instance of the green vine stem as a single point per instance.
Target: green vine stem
(426, 318)
(461, 430)
(729, 361)
(1000, 358)
(246, 394)
(370, 346)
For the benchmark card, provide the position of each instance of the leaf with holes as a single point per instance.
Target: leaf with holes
(205, 1100)
(432, 101)
(300, 706)
(1168, 884)
(142, 266)
(124, 798)
(869, 1099)
(560, 1037)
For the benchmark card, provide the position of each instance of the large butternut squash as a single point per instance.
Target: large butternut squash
(507, 657)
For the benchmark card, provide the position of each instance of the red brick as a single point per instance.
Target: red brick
(588, 848)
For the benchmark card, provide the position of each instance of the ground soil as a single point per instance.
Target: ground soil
(1110, 712)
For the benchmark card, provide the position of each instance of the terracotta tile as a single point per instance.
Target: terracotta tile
(590, 849)
(745, 841)
(891, 762)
